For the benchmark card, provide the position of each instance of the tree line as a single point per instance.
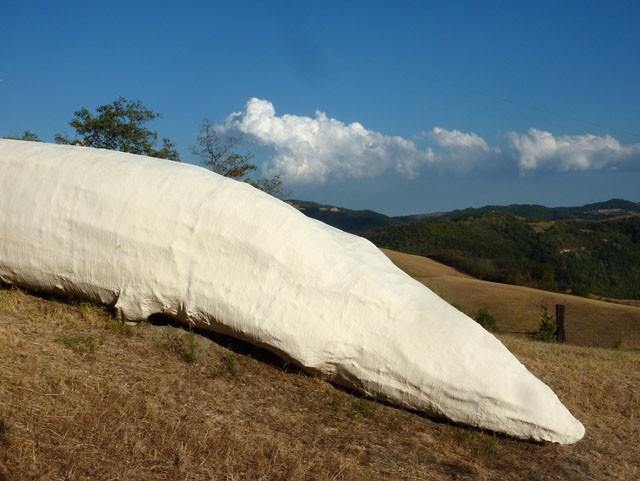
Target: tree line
(122, 126)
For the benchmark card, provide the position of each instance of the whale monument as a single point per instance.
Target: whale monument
(148, 236)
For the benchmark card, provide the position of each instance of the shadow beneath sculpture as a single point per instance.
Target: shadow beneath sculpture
(233, 344)
(267, 357)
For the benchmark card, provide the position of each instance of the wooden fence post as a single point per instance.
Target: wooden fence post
(561, 333)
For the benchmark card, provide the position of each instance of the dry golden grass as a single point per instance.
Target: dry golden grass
(589, 322)
(83, 397)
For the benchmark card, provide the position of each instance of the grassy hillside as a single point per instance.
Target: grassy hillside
(516, 309)
(84, 397)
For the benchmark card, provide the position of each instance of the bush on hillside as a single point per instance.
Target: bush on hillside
(548, 326)
(485, 319)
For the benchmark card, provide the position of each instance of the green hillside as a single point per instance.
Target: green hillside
(577, 256)
(359, 221)
(589, 249)
(348, 220)
(597, 211)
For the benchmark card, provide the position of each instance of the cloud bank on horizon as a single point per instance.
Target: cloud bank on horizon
(310, 150)
(542, 150)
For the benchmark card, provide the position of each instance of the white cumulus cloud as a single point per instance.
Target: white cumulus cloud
(542, 150)
(455, 139)
(462, 152)
(310, 150)
(315, 149)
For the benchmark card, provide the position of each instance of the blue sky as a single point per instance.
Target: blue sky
(400, 107)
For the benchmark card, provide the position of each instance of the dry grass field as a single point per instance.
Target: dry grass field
(85, 397)
(589, 322)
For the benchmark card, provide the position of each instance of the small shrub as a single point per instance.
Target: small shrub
(336, 403)
(33, 313)
(119, 327)
(11, 299)
(364, 407)
(181, 342)
(80, 344)
(485, 319)
(488, 447)
(190, 351)
(548, 326)
(457, 306)
(91, 312)
(231, 365)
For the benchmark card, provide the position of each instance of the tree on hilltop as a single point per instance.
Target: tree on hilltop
(120, 126)
(271, 186)
(219, 153)
(26, 135)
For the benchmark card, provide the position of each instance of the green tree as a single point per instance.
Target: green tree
(26, 135)
(548, 329)
(120, 125)
(220, 154)
(485, 319)
(271, 186)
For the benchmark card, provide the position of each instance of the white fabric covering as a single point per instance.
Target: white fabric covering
(151, 236)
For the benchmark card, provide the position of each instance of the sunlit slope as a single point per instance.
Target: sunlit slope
(83, 396)
(517, 309)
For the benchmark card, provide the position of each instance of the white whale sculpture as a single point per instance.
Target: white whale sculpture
(150, 236)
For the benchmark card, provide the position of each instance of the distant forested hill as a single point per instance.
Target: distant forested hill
(359, 221)
(596, 211)
(578, 256)
(354, 221)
